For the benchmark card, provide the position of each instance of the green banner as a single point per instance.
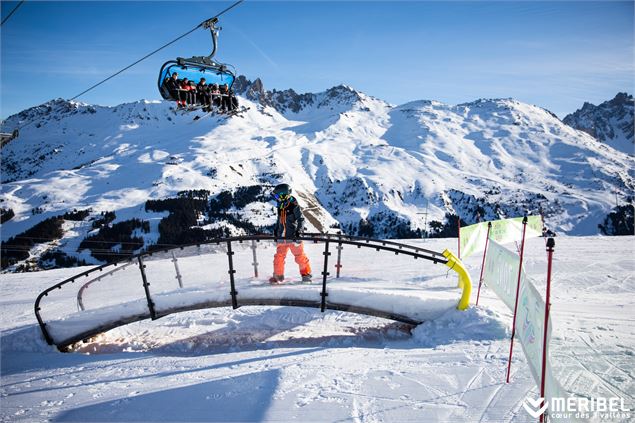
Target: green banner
(501, 276)
(473, 237)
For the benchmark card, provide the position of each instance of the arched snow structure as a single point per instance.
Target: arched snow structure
(141, 281)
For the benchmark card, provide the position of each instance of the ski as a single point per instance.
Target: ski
(182, 111)
(197, 117)
(236, 112)
(207, 112)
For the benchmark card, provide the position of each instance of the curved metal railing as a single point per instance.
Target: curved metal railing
(80, 293)
(446, 258)
(380, 241)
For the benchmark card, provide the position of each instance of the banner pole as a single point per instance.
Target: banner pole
(544, 228)
(480, 281)
(520, 271)
(550, 244)
(458, 221)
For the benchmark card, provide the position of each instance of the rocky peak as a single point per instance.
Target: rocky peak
(289, 101)
(621, 99)
(341, 94)
(612, 122)
(254, 91)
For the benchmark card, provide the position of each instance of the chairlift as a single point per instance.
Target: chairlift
(197, 67)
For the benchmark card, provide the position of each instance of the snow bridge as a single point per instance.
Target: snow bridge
(367, 276)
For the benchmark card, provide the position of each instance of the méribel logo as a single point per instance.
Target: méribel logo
(532, 406)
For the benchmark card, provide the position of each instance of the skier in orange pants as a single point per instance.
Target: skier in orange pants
(289, 225)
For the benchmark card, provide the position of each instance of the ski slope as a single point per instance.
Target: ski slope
(287, 363)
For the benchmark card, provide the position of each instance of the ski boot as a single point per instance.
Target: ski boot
(276, 279)
(307, 278)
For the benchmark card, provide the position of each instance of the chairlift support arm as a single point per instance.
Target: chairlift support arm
(214, 30)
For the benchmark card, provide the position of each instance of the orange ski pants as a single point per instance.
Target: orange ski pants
(298, 252)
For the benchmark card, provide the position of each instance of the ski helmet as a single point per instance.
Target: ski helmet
(281, 192)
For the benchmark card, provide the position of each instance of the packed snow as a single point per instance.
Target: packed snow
(290, 363)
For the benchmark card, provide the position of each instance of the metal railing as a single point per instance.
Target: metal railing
(80, 293)
(327, 239)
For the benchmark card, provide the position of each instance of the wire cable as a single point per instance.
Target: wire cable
(133, 64)
(12, 12)
(155, 51)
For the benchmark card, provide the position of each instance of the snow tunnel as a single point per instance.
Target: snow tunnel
(379, 278)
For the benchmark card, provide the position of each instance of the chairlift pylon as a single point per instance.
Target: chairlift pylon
(6, 137)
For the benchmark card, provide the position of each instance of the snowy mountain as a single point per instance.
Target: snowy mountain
(356, 164)
(612, 122)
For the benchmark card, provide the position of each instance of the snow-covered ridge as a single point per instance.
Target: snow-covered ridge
(356, 163)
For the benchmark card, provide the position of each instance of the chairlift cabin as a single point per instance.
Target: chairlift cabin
(197, 67)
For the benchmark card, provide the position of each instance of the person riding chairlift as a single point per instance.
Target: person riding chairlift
(215, 95)
(233, 101)
(173, 85)
(189, 91)
(226, 102)
(202, 92)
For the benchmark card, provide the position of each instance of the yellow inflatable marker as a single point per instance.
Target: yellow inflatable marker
(464, 278)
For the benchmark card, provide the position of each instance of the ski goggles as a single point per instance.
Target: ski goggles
(281, 197)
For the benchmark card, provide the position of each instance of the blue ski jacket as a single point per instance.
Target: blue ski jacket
(290, 221)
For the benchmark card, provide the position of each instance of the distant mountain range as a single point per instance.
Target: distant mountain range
(356, 163)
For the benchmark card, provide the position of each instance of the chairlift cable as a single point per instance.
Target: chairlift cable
(156, 51)
(205, 23)
(12, 12)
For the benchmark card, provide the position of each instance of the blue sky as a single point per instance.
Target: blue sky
(553, 54)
